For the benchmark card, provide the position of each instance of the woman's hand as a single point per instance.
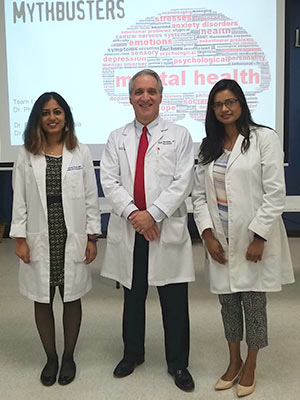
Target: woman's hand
(22, 250)
(90, 252)
(214, 247)
(255, 250)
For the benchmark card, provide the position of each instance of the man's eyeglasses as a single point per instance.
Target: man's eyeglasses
(229, 103)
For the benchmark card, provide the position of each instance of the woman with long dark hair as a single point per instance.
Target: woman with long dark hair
(55, 223)
(238, 198)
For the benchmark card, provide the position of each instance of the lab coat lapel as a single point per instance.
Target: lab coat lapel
(38, 163)
(236, 151)
(211, 179)
(130, 147)
(213, 196)
(66, 161)
(158, 133)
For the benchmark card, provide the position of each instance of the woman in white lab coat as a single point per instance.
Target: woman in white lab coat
(55, 223)
(238, 198)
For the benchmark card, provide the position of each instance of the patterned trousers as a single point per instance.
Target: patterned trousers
(254, 305)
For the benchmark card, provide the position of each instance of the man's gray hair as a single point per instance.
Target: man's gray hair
(146, 72)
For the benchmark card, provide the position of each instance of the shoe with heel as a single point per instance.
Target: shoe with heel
(224, 385)
(243, 391)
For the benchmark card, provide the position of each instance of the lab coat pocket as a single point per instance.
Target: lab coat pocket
(78, 247)
(174, 230)
(115, 228)
(165, 162)
(75, 183)
(35, 244)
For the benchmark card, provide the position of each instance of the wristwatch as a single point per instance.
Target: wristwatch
(93, 240)
(259, 237)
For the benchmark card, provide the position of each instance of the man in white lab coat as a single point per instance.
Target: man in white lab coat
(147, 173)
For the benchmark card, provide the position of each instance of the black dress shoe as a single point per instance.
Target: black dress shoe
(67, 377)
(183, 379)
(49, 378)
(126, 367)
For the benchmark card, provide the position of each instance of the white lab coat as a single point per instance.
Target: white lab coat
(81, 213)
(168, 173)
(255, 190)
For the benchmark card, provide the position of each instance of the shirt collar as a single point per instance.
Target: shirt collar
(139, 126)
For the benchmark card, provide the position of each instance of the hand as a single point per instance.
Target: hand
(90, 252)
(141, 221)
(214, 247)
(22, 250)
(152, 233)
(131, 215)
(255, 250)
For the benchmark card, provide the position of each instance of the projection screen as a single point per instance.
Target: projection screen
(88, 50)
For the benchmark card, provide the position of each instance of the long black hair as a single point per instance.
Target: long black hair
(212, 146)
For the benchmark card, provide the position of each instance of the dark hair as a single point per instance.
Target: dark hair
(212, 146)
(35, 137)
(146, 72)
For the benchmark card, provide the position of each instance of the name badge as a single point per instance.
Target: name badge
(75, 168)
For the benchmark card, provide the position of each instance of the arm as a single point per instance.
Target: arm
(272, 182)
(91, 194)
(123, 203)
(19, 211)
(19, 217)
(93, 222)
(202, 217)
(111, 178)
(175, 194)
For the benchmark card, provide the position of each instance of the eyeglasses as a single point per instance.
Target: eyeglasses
(229, 103)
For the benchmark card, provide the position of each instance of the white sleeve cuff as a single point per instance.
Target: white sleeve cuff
(157, 214)
(129, 209)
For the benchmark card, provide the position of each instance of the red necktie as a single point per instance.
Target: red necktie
(139, 184)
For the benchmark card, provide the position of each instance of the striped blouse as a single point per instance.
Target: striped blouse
(219, 171)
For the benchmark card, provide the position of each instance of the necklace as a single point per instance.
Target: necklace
(54, 150)
(229, 143)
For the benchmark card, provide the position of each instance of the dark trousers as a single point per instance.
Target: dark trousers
(174, 305)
